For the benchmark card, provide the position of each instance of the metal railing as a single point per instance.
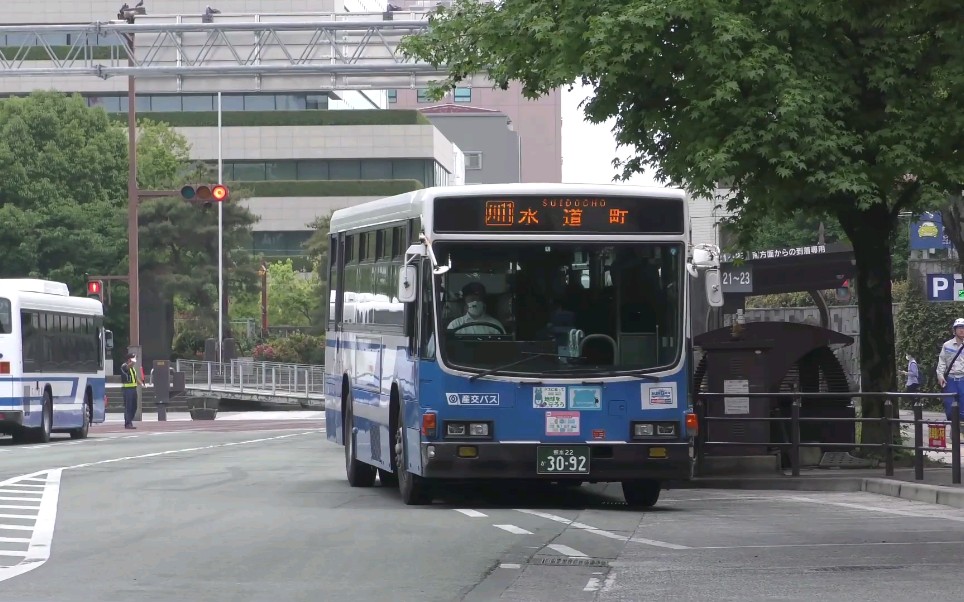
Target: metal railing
(889, 420)
(266, 378)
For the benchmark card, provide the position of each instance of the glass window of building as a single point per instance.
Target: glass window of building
(463, 95)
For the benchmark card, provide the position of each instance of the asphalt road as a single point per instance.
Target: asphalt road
(263, 512)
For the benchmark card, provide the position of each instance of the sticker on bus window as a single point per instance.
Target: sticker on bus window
(562, 423)
(472, 399)
(585, 398)
(549, 397)
(660, 396)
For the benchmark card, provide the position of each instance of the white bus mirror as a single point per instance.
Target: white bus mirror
(714, 288)
(408, 284)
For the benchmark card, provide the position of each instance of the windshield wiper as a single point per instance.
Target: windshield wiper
(579, 370)
(531, 355)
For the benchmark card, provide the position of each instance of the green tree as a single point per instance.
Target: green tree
(847, 109)
(293, 298)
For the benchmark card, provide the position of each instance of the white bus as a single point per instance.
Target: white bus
(52, 359)
(514, 331)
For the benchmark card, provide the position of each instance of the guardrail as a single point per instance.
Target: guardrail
(268, 378)
(887, 420)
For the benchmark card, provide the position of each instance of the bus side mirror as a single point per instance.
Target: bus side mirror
(714, 288)
(408, 284)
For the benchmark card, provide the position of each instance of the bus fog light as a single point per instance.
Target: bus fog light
(430, 451)
(479, 430)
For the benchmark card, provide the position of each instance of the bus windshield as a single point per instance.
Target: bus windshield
(6, 317)
(557, 308)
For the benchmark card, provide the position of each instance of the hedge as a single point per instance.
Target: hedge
(921, 327)
(282, 118)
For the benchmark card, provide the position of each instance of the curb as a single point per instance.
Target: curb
(915, 492)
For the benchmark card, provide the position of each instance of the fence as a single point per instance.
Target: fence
(890, 418)
(268, 378)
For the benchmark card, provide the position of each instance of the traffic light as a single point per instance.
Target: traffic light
(204, 194)
(843, 291)
(95, 289)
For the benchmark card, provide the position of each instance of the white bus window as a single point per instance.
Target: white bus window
(6, 319)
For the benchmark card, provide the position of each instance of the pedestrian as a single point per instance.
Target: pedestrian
(913, 377)
(950, 368)
(129, 380)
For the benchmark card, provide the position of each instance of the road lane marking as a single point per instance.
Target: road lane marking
(472, 513)
(566, 550)
(513, 529)
(42, 532)
(602, 533)
(833, 545)
(5, 527)
(869, 508)
(593, 585)
(610, 581)
(510, 565)
(19, 499)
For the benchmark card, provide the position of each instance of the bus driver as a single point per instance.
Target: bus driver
(473, 294)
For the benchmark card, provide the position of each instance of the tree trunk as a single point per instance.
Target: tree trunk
(870, 230)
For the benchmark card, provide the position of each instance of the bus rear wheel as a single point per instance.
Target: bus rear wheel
(641, 494)
(415, 490)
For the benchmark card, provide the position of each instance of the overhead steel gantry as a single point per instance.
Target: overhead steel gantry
(334, 51)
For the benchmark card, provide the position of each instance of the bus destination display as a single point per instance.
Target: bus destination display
(559, 214)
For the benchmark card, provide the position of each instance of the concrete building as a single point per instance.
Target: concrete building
(488, 140)
(538, 122)
(301, 154)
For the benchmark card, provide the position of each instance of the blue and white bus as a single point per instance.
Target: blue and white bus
(514, 331)
(52, 352)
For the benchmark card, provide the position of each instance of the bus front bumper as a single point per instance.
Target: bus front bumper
(669, 460)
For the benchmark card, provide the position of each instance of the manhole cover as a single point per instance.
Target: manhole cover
(844, 460)
(569, 561)
(856, 569)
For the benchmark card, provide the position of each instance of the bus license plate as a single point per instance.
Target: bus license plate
(558, 459)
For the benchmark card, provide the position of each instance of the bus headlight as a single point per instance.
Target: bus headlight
(643, 430)
(655, 430)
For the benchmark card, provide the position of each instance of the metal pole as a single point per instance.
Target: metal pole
(795, 436)
(132, 202)
(889, 437)
(220, 245)
(918, 441)
(956, 439)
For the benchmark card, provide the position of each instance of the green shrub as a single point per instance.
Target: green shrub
(296, 348)
(921, 328)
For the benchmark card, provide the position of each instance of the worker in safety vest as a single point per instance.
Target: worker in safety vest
(129, 380)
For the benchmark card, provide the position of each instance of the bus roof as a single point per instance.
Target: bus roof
(34, 293)
(34, 285)
(412, 204)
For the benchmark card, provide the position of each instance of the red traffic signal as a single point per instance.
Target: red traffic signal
(95, 288)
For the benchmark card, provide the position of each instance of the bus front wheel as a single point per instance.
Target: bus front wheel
(641, 494)
(359, 474)
(415, 490)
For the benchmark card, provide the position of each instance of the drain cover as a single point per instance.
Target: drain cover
(569, 561)
(845, 460)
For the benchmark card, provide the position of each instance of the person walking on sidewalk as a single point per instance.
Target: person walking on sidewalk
(913, 376)
(950, 368)
(129, 380)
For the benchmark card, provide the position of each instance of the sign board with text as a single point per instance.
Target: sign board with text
(945, 287)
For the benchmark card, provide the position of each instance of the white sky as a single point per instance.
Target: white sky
(588, 149)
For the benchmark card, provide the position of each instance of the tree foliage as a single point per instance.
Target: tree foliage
(293, 298)
(63, 206)
(844, 109)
